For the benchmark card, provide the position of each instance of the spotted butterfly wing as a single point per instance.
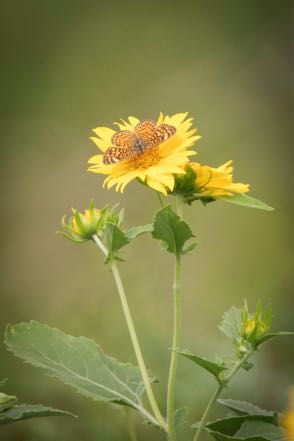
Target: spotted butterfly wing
(117, 154)
(124, 139)
(145, 130)
(161, 134)
(123, 147)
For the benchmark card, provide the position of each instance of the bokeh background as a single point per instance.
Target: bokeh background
(69, 66)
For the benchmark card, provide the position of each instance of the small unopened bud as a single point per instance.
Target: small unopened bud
(249, 328)
(242, 350)
(82, 226)
(7, 401)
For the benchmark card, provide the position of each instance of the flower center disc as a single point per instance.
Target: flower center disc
(146, 159)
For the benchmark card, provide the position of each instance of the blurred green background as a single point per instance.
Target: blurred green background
(69, 66)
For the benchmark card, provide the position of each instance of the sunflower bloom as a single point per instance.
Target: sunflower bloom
(216, 182)
(288, 420)
(145, 150)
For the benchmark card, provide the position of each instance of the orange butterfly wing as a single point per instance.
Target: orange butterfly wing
(161, 134)
(125, 142)
(117, 154)
(124, 139)
(145, 130)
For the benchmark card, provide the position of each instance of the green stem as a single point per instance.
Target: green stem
(217, 393)
(174, 356)
(160, 199)
(133, 335)
(179, 207)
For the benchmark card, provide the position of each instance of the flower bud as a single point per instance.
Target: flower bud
(6, 401)
(249, 328)
(82, 226)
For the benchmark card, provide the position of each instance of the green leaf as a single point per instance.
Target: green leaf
(134, 232)
(115, 239)
(171, 230)
(78, 362)
(244, 408)
(271, 335)
(231, 323)
(25, 411)
(252, 428)
(247, 201)
(230, 429)
(247, 365)
(213, 368)
(180, 417)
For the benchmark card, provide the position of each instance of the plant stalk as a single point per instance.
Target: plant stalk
(133, 335)
(217, 393)
(174, 355)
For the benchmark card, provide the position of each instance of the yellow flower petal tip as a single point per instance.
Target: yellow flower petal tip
(216, 182)
(146, 150)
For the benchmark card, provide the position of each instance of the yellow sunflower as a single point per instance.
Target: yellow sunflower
(288, 419)
(216, 182)
(150, 151)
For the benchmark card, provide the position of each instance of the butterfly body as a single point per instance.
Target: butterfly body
(128, 144)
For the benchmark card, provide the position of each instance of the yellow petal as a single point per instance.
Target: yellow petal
(105, 133)
(103, 146)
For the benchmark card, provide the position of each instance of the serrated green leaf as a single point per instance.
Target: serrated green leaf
(231, 323)
(171, 230)
(247, 201)
(78, 362)
(26, 411)
(244, 408)
(268, 431)
(228, 428)
(134, 232)
(271, 335)
(213, 368)
(115, 239)
(222, 437)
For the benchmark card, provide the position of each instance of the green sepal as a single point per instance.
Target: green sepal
(171, 231)
(115, 239)
(26, 411)
(246, 201)
(185, 184)
(212, 367)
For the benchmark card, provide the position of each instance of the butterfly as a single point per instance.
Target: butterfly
(127, 143)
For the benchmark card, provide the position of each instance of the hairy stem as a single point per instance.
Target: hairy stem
(160, 199)
(133, 335)
(174, 355)
(217, 393)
